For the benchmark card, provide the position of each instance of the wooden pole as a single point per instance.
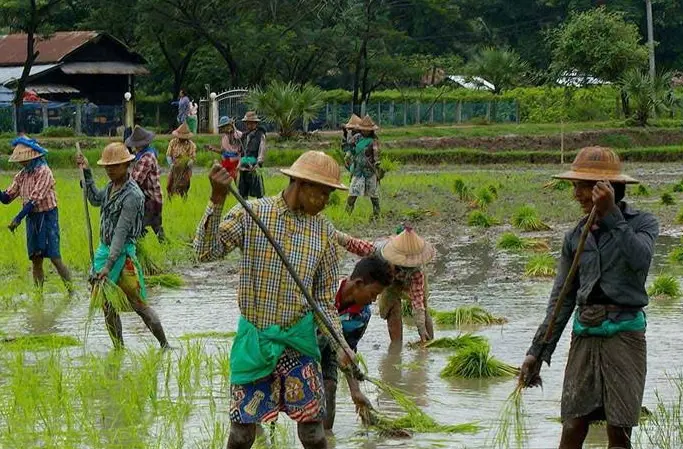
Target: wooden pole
(88, 226)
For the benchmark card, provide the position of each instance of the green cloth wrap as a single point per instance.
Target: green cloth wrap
(129, 250)
(610, 328)
(255, 353)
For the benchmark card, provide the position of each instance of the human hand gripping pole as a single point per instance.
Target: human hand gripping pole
(355, 369)
(532, 378)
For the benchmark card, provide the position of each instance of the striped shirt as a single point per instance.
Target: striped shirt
(37, 186)
(146, 174)
(267, 293)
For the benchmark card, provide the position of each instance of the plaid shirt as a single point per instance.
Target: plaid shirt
(146, 174)
(37, 186)
(179, 148)
(267, 293)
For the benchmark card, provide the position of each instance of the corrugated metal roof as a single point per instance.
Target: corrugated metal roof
(8, 74)
(52, 50)
(42, 89)
(104, 68)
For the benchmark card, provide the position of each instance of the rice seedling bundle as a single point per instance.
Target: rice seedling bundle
(483, 198)
(150, 266)
(679, 217)
(641, 190)
(493, 189)
(665, 285)
(456, 343)
(513, 242)
(558, 185)
(676, 255)
(479, 219)
(512, 428)
(466, 316)
(462, 190)
(526, 218)
(475, 362)
(105, 291)
(38, 342)
(209, 334)
(678, 187)
(667, 199)
(541, 265)
(164, 280)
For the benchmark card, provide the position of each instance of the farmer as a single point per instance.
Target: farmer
(36, 187)
(146, 173)
(362, 160)
(355, 294)
(349, 132)
(407, 252)
(605, 374)
(191, 119)
(231, 144)
(181, 154)
(275, 356)
(251, 182)
(122, 206)
(183, 107)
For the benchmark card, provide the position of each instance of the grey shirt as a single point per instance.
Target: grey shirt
(121, 215)
(619, 263)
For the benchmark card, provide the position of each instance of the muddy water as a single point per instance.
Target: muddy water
(469, 271)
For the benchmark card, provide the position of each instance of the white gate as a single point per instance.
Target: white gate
(230, 103)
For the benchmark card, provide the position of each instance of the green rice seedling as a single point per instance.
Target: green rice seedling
(479, 219)
(493, 189)
(679, 217)
(641, 190)
(462, 190)
(540, 265)
(105, 291)
(406, 308)
(512, 427)
(456, 343)
(667, 199)
(558, 185)
(173, 281)
(149, 263)
(206, 335)
(512, 242)
(482, 198)
(37, 342)
(665, 286)
(475, 361)
(526, 218)
(676, 254)
(678, 188)
(466, 316)
(335, 199)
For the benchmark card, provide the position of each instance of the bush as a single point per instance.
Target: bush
(58, 131)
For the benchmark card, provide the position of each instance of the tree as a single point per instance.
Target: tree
(646, 95)
(503, 68)
(598, 43)
(34, 19)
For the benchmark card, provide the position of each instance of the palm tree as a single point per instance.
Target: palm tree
(646, 96)
(503, 68)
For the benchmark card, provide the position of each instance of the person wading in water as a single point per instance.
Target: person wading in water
(408, 253)
(251, 181)
(122, 206)
(35, 185)
(605, 374)
(275, 359)
(363, 162)
(181, 155)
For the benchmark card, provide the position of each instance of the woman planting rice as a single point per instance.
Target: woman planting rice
(362, 160)
(181, 154)
(605, 372)
(407, 252)
(121, 219)
(36, 187)
(231, 145)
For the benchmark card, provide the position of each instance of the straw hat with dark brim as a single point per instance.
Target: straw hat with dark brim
(596, 164)
(367, 124)
(24, 153)
(182, 132)
(353, 122)
(251, 117)
(318, 168)
(114, 154)
(408, 250)
(140, 138)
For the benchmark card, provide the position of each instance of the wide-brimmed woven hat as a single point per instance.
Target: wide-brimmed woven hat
(596, 164)
(140, 137)
(367, 124)
(318, 168)
(182, 132)
(225, 121)
(115, 153)
(251, 117)
(26, 149)
(353, 122)
(408, 250)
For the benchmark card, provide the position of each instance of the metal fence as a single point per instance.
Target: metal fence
(90, 119)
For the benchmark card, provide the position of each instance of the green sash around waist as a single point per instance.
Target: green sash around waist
(610, 328)
(129, 250)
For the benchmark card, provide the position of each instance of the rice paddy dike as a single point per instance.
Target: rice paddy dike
(66, 389)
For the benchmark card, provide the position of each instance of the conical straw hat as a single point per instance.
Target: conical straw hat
(596, 164)
(408, 250)
(353, 122)
(316, 167)
(114, 154)
(182, 132)
(22, 153)
(367, 124)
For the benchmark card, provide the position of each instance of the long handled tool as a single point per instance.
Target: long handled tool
(88, 226)
(357, 373)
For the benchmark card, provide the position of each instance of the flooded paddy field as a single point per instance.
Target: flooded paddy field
(87, 396)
